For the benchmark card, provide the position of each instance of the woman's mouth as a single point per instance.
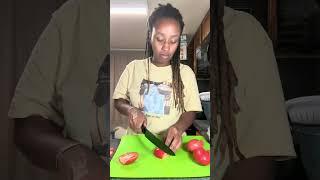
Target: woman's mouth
(164, 56)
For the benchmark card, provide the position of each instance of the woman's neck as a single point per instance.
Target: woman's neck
(159, 64)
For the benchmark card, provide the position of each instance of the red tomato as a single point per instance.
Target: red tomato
(159, 153)
(111, 151)
(128, 158)
(201, 156)
(194, 144)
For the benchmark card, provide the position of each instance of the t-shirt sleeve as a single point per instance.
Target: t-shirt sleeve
(262, 125)
(191, 92)
(35, 91)
(121, 90)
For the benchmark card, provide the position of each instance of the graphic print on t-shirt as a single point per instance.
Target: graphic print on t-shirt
(156, 102)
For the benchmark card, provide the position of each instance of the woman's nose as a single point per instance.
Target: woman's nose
(166, 46)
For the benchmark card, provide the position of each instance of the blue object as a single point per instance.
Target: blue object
(206, 108)
(304, 114)
(308, 138)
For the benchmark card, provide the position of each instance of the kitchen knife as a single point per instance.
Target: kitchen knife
(157, 141)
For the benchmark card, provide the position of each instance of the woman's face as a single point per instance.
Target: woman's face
(165, 40)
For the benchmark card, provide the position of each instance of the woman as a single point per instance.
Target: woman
(158, 92)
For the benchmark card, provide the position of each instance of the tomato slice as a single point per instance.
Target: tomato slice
(128, 158)
(159, 153)
(112, 150)
(201, 156)
(194, 144)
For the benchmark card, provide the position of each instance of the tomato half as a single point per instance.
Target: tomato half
(201, 156)
(159, 153)
(128, 158)
(194, 144)
(111, 152)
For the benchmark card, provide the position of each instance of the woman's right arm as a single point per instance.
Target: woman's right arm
(123, 106)
(136, 118)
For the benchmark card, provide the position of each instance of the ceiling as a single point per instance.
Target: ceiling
(128, 31)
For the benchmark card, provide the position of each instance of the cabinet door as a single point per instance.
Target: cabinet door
(205, 26)
(197, 38)
(197, 43)
(190, 52)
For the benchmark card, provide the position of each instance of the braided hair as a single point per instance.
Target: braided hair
(223, 81)
(167, 12)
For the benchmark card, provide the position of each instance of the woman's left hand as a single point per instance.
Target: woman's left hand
(174, 138)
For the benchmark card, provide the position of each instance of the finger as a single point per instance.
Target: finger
(169, 138)
(178, 145)
(129, 118)
(140, 121)
(133, 127)
(131, 124)
(175, 143)
(134, 113)
(145, 122)
(136, 126)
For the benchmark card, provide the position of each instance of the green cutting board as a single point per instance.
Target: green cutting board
(148, 166)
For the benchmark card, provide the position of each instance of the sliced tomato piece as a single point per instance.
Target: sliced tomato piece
(194, 144)
(159, 153)
(128, 158)
(201, 156)
(112, 150)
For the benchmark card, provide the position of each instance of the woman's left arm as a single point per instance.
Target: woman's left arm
(174, 134)
(192, 105)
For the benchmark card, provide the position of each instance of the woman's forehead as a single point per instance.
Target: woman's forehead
(167, 23)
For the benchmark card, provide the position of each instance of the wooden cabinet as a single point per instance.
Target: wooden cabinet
(197, 40)
(196, 44)
(205, 27)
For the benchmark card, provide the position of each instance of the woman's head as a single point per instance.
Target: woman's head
(165, 26)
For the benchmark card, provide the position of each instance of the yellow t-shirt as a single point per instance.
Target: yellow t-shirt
(157, 104)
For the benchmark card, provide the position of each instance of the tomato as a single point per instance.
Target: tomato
(159, 153)
(112, 150)
(201, 156)
(194, 144)
(128, 158)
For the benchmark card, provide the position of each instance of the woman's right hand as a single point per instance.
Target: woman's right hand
(136, 119)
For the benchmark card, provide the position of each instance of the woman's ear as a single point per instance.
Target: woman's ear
(149, 36)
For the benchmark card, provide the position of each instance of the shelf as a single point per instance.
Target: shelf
(203, 79)
(295, 56)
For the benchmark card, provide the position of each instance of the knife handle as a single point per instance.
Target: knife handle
(143, 129)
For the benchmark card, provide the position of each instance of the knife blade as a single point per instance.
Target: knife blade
(157, 142)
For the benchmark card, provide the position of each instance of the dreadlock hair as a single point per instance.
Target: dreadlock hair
(163, 12)
(223, 81)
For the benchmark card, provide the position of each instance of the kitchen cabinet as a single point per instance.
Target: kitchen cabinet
(205, 27)
(197, 41)
(196, 45)
(197, 38)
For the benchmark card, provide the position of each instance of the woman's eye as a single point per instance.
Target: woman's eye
(160, 39)
(173, 41)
